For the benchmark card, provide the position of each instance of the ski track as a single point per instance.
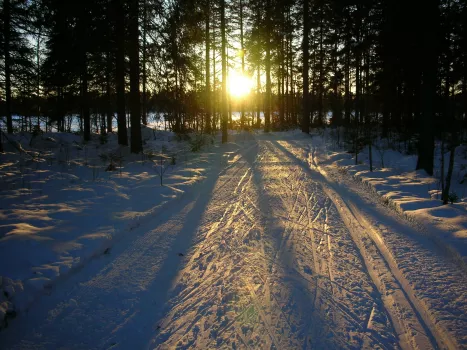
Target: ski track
(278, 254)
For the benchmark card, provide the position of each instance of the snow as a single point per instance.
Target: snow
(60, 208)
(275, 247)
(412, 193)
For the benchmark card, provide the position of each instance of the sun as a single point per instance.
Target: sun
(239, 84)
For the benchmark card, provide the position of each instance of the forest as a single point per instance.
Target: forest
(242, 174)
(391, 69)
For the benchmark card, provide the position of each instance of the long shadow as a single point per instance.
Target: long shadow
(404, 230)
(313, 326)
(408, 231)
(96, 307)
(438, 237)
(311, 176)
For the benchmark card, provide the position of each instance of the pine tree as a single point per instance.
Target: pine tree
(15, 51)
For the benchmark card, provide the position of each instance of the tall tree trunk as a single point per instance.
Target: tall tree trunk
(267, 108)
(108, 92)
(83, 37)
(287, 76)
(464, 82)
(144, 106)
(7, 62)
(347, 92)
(358, 77)
(336, 110)
(258, 97)
(215, 96)
(135, 102)
(242, 48)
(224, 74)
(314, 85)
(291, 98)
(120, 71)
(447, 186)
(38, 71)
(281, 82)
(60, 109)
(306, 59)
(84, 98)
(83, 44)
(447, 70)
(321, 73)
(426, 146)
(207, 122)
(389, 62)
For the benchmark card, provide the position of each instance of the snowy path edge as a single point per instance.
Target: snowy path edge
(29, 296)
(432, 232)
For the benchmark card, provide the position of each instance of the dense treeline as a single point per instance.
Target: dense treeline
(388, 67)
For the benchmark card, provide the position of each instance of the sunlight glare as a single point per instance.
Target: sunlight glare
(239, 85)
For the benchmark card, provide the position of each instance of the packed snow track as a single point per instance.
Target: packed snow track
(269, 252)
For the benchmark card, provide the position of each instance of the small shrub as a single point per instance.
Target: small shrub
(111, 167)
(453, 197)
(114, 159)
(198, 142)
(103, 139)
(160, 164)
(182, 136)
(37, 131)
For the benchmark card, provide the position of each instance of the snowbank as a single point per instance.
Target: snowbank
(413, 193)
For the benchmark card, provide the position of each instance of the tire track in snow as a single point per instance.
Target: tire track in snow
(255, 294)
(404, 315)
(401, 303)
(319, 257)
(316, 258)
(235, 209)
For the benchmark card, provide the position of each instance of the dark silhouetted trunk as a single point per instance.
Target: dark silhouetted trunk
(7, 62)
(207, 122)
(242, 48)
(267, 102)
(120, 71)
(144, 105)
(447, 186)
(347, 92)
(258, 97)
(85, 114)
(306, 59)
(430, 34)
(135, 102)
(224, 74)
(108, 93)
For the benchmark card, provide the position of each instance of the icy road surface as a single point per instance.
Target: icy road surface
(269, 252)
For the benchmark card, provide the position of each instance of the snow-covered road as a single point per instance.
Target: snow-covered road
(271, 251)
